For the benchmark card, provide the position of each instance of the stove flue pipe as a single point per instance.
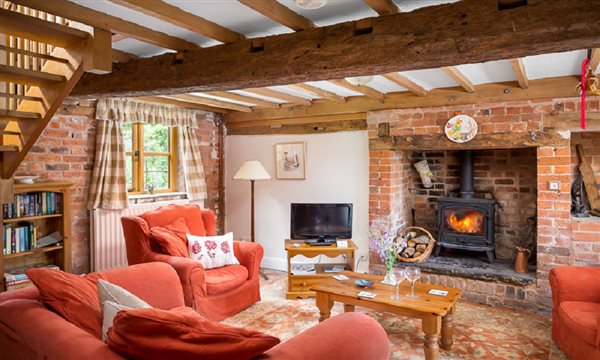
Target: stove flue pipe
(467, 175)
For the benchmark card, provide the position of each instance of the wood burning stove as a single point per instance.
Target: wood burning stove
(466, 222)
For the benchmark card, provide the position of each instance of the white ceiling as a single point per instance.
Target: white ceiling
(236, 16)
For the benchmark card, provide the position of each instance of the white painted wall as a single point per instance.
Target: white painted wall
(337, 170)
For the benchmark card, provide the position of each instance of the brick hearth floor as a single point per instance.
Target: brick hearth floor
(481, 332)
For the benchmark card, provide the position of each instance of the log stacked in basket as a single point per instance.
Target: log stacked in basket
(415, 244)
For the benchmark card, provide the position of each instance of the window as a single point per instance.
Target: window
(150, 157)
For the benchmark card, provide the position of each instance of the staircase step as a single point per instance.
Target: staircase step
(7, 132)
(21, 97)
(29, 77)
(9, 148)
(34, 54)
(18, 115)
(29, 27)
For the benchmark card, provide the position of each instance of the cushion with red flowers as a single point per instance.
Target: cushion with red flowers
(212, 251)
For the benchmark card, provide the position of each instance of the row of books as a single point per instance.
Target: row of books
(18, 237)
(17, 278)
(36, 204)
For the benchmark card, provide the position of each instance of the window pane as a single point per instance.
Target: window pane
(129, 172)
(156, 172)
(128, 136)
(156, 138)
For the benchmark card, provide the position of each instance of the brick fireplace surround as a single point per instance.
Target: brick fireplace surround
(517, 177)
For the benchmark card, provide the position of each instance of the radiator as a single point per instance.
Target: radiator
(107, 241)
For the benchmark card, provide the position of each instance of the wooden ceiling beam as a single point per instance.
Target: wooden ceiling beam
(297, 100)
(489, 93)
(394, 43)
(460, 78)
(176, 16)
(406, 83)
(180, 103)
(247, 99)
(318, 92)
(122, 56)
(279, 13)
(520, 74)
(29, 27)
(82, 14)
(595, 59)
(211, 102)
(363, 89)
(383, 7)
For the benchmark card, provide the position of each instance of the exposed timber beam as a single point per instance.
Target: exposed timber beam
(383, 7)
(318, 92)
(180, 103)
(211, 102)
(399, 42)
(488, 93)
(29, 27)
(520, 74)
(595, 59)
(176, 16)
(363, 89)
(572, 122)
(122, 56)
(247, 99)
(406, 83)
(460, 78)
(280, 95)
(279, 13)
(72, 11)
(308, 128)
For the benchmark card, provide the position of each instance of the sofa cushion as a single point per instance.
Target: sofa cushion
(581, 318)
(73, 297)
(212, 251)
(114, 298)
(165, 215)
(182, 334)
(170, 239)
(224, 279)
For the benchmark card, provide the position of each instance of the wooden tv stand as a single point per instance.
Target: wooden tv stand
(299, 285)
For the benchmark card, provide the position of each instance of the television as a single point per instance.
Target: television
(320, 223)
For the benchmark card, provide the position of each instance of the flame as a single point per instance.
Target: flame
(470, 223)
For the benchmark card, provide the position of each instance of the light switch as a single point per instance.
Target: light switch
(554, 185)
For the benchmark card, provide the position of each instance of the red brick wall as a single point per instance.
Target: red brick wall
(560, 239)
(65, 151)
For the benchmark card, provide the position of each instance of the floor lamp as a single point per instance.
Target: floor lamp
(252, 170)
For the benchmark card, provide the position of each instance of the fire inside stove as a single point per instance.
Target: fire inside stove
(465, 221)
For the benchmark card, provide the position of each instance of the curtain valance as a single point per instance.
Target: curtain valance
(133, 110)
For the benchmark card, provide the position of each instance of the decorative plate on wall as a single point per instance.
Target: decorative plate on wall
(461, 128)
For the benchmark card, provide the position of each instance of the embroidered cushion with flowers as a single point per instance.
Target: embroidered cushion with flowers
(212, 251)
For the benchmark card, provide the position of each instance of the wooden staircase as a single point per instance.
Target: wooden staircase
(41, 60)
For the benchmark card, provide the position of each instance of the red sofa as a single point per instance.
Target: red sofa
(576, 311)
(29, 330)
(216, 293)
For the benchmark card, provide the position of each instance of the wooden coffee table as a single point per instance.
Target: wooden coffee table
(436, 312)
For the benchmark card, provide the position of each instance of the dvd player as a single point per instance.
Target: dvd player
(316, 242)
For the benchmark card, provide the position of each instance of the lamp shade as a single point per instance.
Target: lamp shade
(252, 170)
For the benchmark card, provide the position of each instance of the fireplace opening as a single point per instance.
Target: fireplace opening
(464, 221)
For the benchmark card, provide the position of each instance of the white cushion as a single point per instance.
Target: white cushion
(114, 298)
(212, 251)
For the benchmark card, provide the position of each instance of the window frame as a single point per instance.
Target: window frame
(137, 155)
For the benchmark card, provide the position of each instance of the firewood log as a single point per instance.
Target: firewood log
(421, 239)
(411, 243)
(410, 251)
(421, 248)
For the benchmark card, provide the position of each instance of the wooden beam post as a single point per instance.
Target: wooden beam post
(98, 53)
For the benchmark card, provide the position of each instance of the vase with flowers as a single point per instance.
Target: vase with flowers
(388, 249)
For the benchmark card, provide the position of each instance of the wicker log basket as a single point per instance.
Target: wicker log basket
(419, 244)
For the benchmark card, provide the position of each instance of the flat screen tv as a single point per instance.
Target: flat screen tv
(321, 222)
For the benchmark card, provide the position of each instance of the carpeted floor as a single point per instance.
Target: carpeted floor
(481, 332)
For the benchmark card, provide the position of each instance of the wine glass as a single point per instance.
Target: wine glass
(400, 276)
(412, 274)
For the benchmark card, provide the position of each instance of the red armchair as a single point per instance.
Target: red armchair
(216, 293)
(576, 311)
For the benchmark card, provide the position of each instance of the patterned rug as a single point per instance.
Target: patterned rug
(481, 332)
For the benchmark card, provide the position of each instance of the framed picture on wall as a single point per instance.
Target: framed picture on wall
(291, 160)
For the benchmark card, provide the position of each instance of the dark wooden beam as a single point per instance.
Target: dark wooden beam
(469, 31)
(312, 128)
(481, 141)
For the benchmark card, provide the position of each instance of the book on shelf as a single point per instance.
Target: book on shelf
(303, 269)
(334, 268)
(18, 276)
(18, 237)
(33, 204)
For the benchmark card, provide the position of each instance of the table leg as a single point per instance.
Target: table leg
(348, 308)
(324, 303)
(448, 330)
(431, 327)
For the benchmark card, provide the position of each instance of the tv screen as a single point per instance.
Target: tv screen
(321, 221)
